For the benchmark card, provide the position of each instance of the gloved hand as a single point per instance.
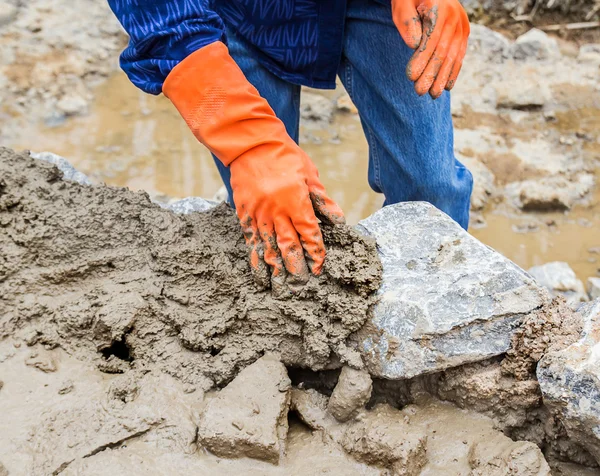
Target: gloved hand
(439, 31)
(276, 187)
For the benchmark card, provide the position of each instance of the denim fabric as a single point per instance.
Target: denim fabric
(410, 138)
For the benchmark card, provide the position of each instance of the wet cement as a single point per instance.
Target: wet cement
(111, 277)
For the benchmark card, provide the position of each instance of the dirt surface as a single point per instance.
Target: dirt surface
(109, 276)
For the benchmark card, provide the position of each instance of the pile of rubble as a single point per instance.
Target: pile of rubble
(465, 365)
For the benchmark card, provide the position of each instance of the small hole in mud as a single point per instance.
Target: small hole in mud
(323, 381)
(119, 349)
(214, 351)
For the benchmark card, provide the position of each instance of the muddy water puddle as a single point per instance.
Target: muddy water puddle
(139, 141)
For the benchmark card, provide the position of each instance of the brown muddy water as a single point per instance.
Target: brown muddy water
(139, 141)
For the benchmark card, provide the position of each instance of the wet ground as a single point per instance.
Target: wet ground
(135, 140)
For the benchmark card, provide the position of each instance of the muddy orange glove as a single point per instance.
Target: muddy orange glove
(439, 31)
(276, 188)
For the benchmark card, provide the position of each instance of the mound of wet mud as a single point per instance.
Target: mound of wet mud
(113, 278)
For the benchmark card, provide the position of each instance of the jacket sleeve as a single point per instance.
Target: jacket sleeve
(163, 33)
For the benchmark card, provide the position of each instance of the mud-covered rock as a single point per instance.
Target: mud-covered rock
(457, 441)
(351, 393)
(446, 299)
(590, 53)
(483, 182)
(8, 13)
(570, 383)
(492, 45)
(594, 287)
(386, 440)
(551, 193)
(558, 278)
(249, 416)
(535, 45)
(315, 107)
(521, 94)
(73, 105)
(511, 457)
(483, 387)
(550, 329)
(311, 407)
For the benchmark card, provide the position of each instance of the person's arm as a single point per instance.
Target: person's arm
(276, 187)
(439, 31)
(162, 34)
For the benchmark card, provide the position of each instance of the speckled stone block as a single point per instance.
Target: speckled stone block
(446, 299)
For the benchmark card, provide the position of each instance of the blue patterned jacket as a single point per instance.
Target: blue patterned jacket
(298, 40)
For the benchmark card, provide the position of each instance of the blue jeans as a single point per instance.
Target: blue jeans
(411, 143)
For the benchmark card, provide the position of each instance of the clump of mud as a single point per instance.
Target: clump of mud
(552, 328)
(109, 276)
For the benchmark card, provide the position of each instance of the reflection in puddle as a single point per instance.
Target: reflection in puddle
(139, 141)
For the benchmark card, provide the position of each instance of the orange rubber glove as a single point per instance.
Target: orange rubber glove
(276, 187)
(439, 31)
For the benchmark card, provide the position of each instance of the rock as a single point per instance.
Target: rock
(570, 383)
(67, 387)
(438, 306)
(558, 278)
(462, 442)
(535, 45)
(521, 94)
(492, 45)
(69, 172)
(511, 457)
(560, 468)
(8, 12)
(455, 441)
(483, 387)
(183, 206)
(345, 104)
(552, 328)
(311, 407)
(190, 204)
(314, 107)
(42, 360)
(385, 439)
(72, 105)
(483, 182)
(351, 393)
(594, 288)
(551, 193)
(221, 195)
(589, 53)
(249, 416)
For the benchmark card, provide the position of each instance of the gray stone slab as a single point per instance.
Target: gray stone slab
(446, 298)
(189, 205)
(69, 172)
(183, 206)
(570, 382)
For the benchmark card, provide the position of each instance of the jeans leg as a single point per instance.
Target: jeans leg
(283, 97)
(411, 139)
